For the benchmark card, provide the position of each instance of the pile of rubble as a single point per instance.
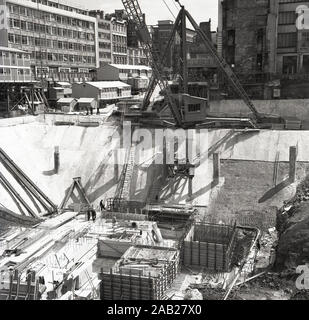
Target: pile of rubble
(293, 227)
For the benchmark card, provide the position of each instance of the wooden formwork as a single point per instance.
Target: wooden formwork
(209, 246)
(147, 279)
(15, 289)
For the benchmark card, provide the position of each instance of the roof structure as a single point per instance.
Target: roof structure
(63, 84)
(66, 100)
(86, 100)
(108, 84)
(130, 67)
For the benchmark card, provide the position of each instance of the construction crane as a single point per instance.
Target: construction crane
(134, 13)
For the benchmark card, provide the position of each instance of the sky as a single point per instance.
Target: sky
(201, 10)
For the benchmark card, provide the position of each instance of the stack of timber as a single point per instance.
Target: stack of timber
(143, 273)
(210, 246)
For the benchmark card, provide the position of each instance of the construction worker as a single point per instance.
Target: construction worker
(114, 222)
(102, 206)
(93, 215)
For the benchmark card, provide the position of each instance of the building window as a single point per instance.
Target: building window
(289, 65)
(24, 40)
(287, 17)
(16, 23)
(11, 38)
(30, 26)
(306, 63)
(287, 40)
(194, 108)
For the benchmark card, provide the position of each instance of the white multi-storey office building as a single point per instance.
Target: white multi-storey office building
(58, 37)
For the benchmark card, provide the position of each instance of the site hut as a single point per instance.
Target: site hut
(87, 104)
(54, 94)
(66, 105)
(137, 76)
(105, 92)
(67, 88)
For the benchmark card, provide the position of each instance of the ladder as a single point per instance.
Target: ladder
(129, 173)
(123, 187)
(94, 290)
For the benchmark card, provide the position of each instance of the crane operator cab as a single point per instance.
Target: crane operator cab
(194, 109)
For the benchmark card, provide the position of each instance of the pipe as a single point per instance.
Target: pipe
(56, 160)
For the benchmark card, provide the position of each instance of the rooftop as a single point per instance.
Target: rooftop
(86, 100)
(66, 100)
(108, 84)
(130, 67)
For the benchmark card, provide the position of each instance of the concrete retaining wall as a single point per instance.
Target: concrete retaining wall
(285, 108)
(9, 122)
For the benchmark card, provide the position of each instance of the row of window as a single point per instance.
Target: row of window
(57, 4)
(120, 60)
(104, 25)
(136, 52)
(104, 36)
(287, 40)
(58, 57)
(8, 71)
(119, 39)
(54, 31)
(287, 17)
(105, 55)
(119, 27)
(50, 17)
(133, 71)
(47, 43)
(104, 45)
(13, 55)
(119, 49)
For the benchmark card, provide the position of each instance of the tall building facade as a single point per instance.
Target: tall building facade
(293, 37)
(262, 36)
(119, 41)
(58, 37)
(137, 54)
(267, 43)
(201, 64)
(160, 37)
(104, 36)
